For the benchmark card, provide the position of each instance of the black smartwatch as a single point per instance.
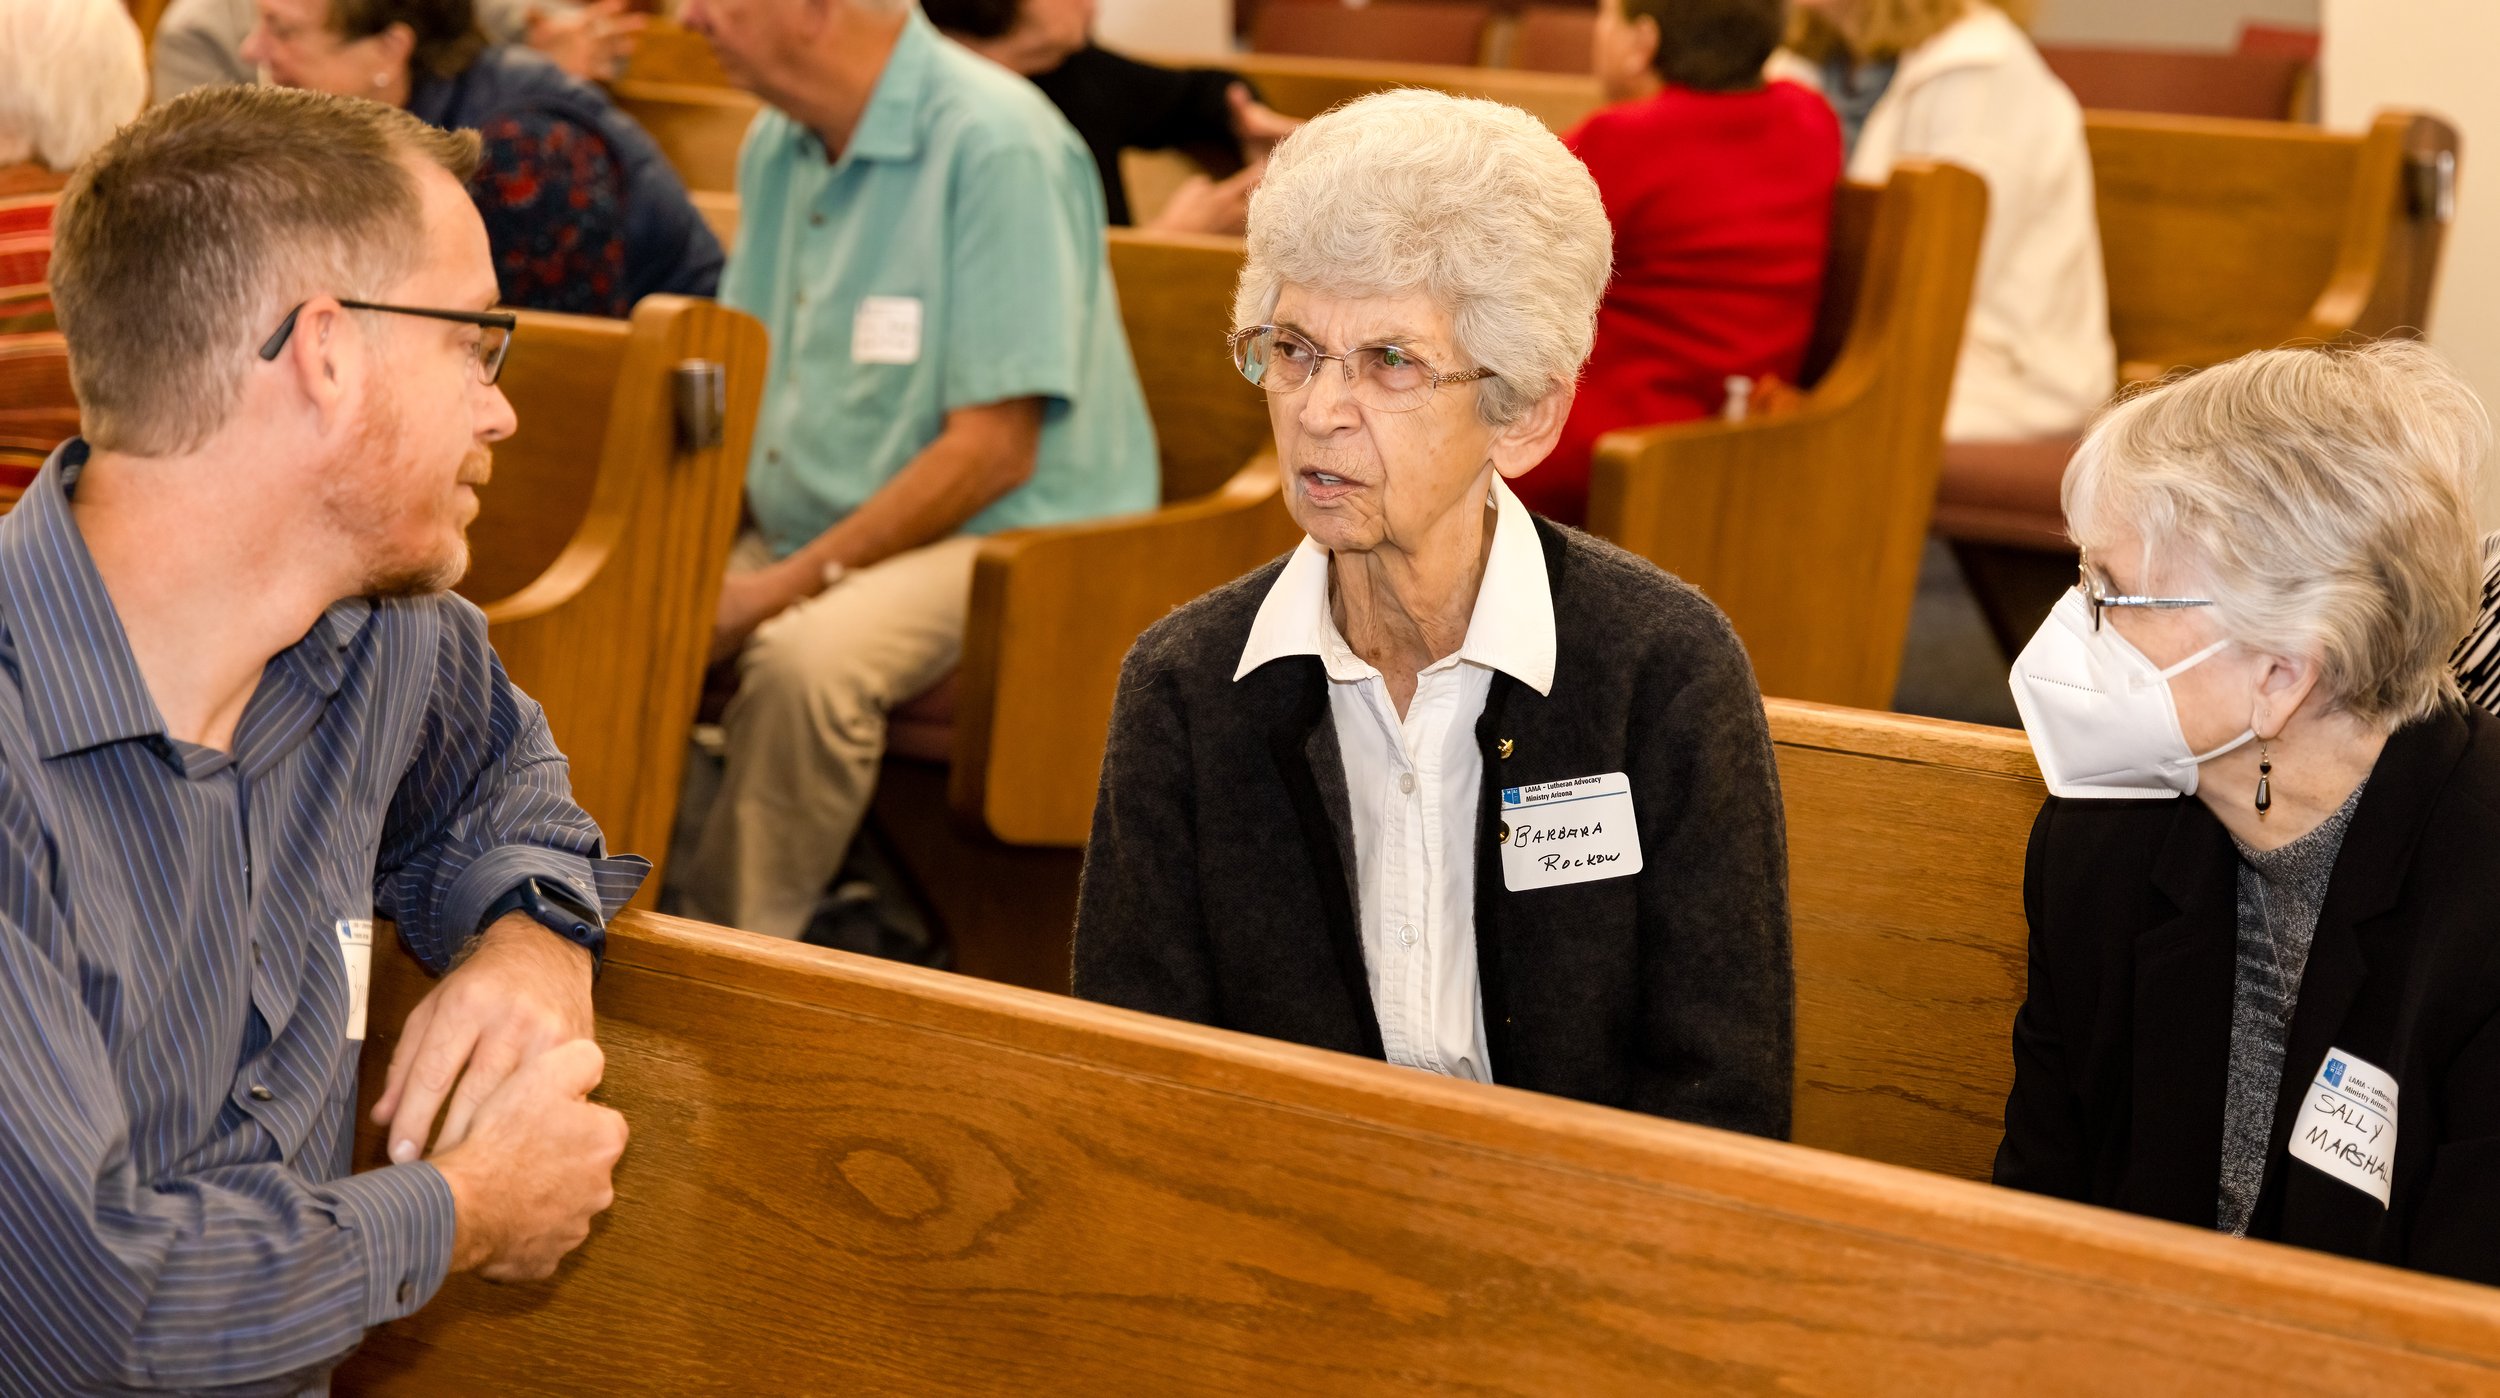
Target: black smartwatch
(554, 907)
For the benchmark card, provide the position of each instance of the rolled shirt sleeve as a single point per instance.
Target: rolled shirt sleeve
(487, 804)
(1022, 279)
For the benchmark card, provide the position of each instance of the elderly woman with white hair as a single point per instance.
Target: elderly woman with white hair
(71, 72)
(1449, 785)
(2274, 1008)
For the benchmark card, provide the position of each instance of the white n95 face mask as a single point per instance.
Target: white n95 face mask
(2100, 716)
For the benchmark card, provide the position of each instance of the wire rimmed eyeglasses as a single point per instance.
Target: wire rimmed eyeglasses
(1386, 377)
(492, 346)
(2097, 600)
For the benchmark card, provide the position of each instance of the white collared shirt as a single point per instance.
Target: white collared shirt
(1413, 784)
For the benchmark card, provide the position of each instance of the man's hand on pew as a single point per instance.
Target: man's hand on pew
(522, 992)
(537, 1166)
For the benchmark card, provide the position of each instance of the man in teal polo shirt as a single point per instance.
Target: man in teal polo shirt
(922, 232)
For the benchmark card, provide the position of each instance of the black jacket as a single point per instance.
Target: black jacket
(1219, 884)
(2122, 1046)
(1119, 104)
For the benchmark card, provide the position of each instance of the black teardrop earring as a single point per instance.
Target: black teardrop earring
(2265, 781)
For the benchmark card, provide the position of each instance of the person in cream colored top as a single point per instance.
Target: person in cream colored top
(1959, 81)
(1449, 785)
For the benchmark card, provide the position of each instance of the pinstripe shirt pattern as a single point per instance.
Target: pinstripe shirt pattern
(176, 1087)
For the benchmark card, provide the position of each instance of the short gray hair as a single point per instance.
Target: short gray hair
(1471, 203)
(70, 72)
(2324, 498)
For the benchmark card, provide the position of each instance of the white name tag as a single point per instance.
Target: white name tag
(1568, 832)
(2347, 1125)
(886, 331)
(356, 955)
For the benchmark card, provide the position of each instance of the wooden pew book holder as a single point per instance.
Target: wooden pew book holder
(855, 1177)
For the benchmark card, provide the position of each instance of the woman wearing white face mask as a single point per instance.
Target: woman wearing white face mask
(2264, 902)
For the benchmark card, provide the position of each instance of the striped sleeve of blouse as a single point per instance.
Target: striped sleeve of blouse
(2477, 657)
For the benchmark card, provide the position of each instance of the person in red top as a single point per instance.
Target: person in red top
(1719, 186)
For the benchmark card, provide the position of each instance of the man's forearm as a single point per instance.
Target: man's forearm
(982, 456)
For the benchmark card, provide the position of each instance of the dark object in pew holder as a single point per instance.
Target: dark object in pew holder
(701, 387)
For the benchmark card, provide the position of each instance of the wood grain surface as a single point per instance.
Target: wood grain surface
(852, 1177)
(1905, 883)
(600, 544)
(2222, 237)
(1806, 527)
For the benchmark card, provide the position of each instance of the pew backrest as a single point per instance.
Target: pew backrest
(698, 126)
(1450, 32)
(1906, 839)
(599, 545)
(1305, 87)
(1176, 303)
(1053, 613)
(2222, 237)
(1806, 526)
(858, 1177)
(38, 408)
(2181, 82)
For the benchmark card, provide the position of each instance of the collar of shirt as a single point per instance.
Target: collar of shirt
(82, 683)
(889, 126)
(1511, 629)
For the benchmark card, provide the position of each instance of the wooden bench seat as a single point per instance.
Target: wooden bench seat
(855, 1177)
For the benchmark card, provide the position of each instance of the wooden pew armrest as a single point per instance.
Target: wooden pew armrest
(1054, 612)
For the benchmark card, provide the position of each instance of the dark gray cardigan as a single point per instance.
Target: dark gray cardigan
(1219, 885)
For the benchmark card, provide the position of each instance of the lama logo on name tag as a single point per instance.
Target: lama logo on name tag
(2347, 1124)
(356, 955)
(1568, 832)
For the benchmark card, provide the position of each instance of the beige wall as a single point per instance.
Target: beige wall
(2433, 55)
(2206, 24)
(1165, 26)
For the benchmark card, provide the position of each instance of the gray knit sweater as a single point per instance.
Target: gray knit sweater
(2281, 892)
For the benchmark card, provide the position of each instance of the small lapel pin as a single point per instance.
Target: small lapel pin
(1504, 749)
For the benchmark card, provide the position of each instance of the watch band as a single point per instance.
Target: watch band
(553, 906)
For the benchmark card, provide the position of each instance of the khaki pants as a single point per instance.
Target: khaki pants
(807, 730)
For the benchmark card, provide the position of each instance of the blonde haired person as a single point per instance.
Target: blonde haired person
(1448, 785)
(2274, 1008)
(71, 72)
(1959, 81)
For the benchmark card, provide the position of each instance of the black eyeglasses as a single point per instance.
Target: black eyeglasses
(2097, 599)
(491, 348)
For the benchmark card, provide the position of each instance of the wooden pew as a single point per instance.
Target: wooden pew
(698, 127)
(1412, 31)
(1305, 87)
(976, 805)
(599, 546)
(1906, 839)
(2182, 82)
(2220, 238)
(38, 409)
(1806, 526)
(857, 1177)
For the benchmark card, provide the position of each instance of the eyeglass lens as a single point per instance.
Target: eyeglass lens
(1385, 377)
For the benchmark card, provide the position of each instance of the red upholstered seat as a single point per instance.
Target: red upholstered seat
(2004, 492)
(924, 728)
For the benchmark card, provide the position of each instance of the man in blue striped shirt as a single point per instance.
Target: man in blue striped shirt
(238, 719)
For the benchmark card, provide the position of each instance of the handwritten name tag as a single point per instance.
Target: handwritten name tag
(886, 331)
(1568, 832)
(2347, 1125)
(356, 953)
